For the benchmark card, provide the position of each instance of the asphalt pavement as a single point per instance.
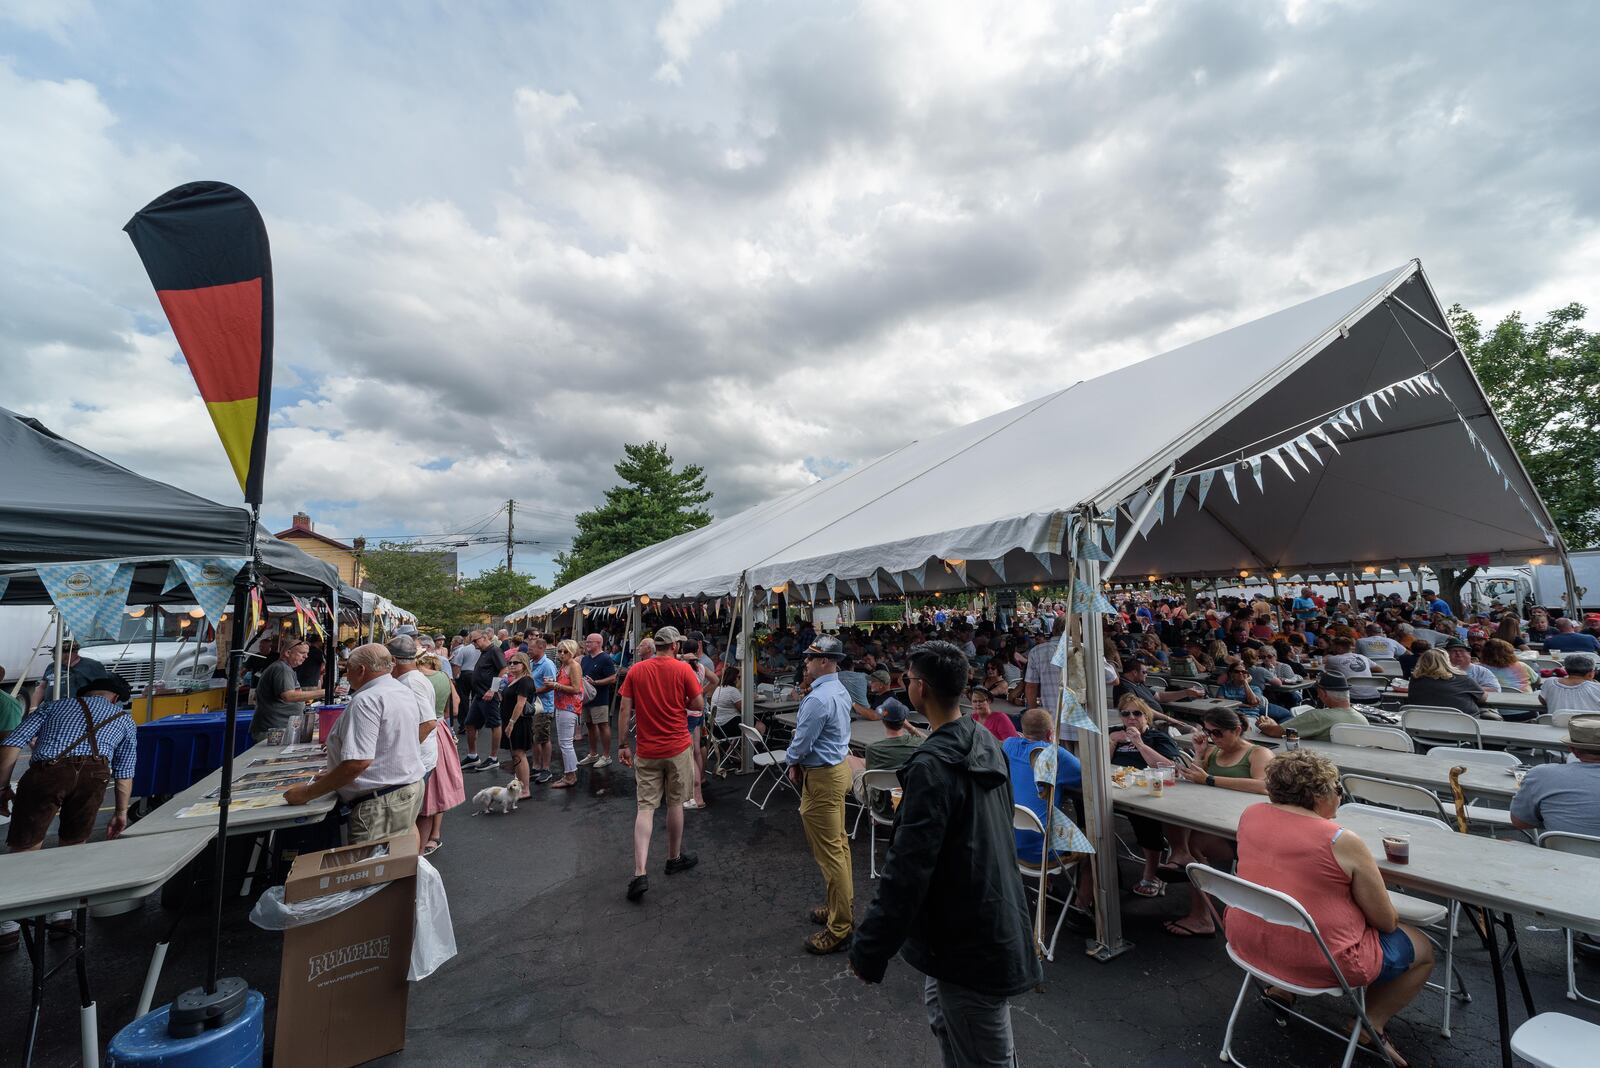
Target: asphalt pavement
(557, 968)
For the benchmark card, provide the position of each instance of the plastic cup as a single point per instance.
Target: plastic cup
(1169, 776)
(1397, 847)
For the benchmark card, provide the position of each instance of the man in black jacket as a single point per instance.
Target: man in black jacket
(950, 899)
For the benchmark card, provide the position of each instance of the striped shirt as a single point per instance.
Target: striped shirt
(57, 723)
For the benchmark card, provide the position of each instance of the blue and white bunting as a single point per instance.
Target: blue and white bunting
(1206, 478)
(80, 592)
(210, 581)
(174, 579)
(1180, 486)
(1232, 479)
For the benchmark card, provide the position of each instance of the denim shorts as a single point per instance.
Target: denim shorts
(1399, 953)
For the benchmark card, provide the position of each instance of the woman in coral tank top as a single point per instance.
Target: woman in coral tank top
(1293, 846)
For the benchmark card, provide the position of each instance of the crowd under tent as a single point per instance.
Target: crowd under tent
(1345, 432)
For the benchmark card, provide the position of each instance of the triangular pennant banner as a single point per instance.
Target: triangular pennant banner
(174, 579)
(81, 592)
(1154, 517)
(1074, 714)
(1180, 486)
(1109, 533)
(1232, 479)
(1044, 562)
(1058, 658)
(1355, 415)
(1372, 403)
(1303, 442)
(1254, 463)
(1206, 478)
(1278, 459)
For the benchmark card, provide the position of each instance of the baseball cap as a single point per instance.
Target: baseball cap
(668, 636)
(1456, 643)
(882, 677)
(894, 711)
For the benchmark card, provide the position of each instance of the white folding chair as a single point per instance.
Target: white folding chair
(1371, 737)
(1554, 1040)
(1422, 913)
(1284, 911)
(729, 746)
(1587, 845)
(1389, 667)
(766, 763)
(881, 780)
(1024, 819)
(1441, 726)
(1554, 719)
(1542, 665)
(1495, 819)
(1395, 795)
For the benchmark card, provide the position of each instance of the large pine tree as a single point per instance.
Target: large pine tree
(653, 503)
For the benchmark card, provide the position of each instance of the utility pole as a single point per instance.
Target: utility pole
(511, 512)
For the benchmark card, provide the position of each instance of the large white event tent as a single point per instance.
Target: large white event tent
(1345, 432)
(1389, 453)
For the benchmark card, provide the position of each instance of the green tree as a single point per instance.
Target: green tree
(653, 503)
(501, 591)
(1544, 381)
(416, 582)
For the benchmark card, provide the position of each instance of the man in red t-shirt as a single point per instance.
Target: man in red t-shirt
(664, 690)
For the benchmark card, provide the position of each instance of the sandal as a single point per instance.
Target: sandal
(1176, 929)
(1149, 887)
(432, 847)
(563, 784)
(818, 915)
(1394, 1054)
(823, 943)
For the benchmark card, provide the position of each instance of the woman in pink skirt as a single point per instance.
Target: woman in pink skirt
(444, 789)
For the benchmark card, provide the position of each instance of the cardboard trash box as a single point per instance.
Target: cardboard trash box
(342, 992)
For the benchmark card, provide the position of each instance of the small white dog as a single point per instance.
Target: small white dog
(502, 799)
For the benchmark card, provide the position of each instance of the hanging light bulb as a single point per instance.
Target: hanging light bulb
(1037, 587)
(1150, 578)
(1277, 574)
(197, 613)
(644, 598)
(1244, 574)
(135, 613)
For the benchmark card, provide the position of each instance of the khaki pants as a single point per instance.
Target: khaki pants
(822, 813)
(379, 817)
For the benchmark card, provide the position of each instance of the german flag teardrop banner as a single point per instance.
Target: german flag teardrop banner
(205, 248)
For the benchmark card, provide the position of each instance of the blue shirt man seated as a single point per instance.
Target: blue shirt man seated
(1236, 686)
(1031, 776)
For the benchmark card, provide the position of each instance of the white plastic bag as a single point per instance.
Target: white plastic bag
(434, 940)
(272, 914)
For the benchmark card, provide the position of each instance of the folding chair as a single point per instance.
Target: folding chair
(1495, 819)
(1587, 845)
(1389, 667)
(1024, 819)
(1554, 1040)
(729, 746)
(1425, 914)
(879, 781)
(1441, 726)
(1284, 911)
(1371, 737)
(766, 762)
(1395, 795)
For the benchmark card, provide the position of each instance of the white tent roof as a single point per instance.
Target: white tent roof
(1408, 482)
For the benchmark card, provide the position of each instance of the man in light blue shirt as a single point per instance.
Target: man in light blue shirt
(543, 674)
(816, 759)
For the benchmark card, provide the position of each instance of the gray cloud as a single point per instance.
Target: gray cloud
(516, 242)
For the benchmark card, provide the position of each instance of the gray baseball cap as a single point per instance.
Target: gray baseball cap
(403, 647)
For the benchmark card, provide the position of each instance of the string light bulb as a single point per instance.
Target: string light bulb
(1244, 574)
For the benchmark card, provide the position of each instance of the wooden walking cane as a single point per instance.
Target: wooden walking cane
(1479, 917)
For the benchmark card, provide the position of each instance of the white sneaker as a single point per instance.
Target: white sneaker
(603, 762)
(590, 759)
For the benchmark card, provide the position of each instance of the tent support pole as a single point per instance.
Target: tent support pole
(1096, 762)
(330, 650)
(747, 674)
(150, 691)
(60, 641)
(1574, 604)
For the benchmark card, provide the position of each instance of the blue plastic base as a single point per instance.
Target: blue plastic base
(238, 1044)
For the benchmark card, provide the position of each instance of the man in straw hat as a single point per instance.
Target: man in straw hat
(1564, 797)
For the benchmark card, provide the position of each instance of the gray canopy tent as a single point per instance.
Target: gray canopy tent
(1346, 431)
(61, 503)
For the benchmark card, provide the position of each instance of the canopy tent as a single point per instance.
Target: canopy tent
(372, 605)
(61, 503)
(1346, 430)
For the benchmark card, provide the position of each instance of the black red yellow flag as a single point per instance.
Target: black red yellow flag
(205, 248)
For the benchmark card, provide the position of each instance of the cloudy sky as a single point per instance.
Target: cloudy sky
(782, 238)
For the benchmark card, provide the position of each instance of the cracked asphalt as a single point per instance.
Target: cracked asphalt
(556, 968)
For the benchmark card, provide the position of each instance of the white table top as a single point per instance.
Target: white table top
(1501, 874)
(95, 873)
(165, 819)
(863, 732)
(1199, 706)
(1514, 700)
(1414, 768)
